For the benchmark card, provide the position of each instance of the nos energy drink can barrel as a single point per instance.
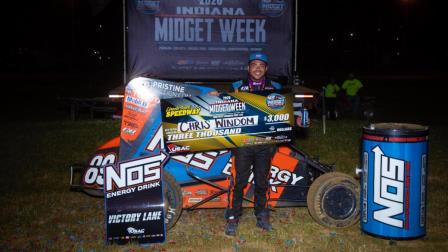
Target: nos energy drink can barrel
(393, 193)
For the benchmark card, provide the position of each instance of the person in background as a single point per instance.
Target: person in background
(352, 87)
(258, 156)
(331, 93)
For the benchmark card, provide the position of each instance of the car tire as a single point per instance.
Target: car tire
(173, 200)
(333, 200)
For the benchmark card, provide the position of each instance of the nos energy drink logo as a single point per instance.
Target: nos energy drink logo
(391, 190)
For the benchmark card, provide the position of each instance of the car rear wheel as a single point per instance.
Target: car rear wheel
(333, 200)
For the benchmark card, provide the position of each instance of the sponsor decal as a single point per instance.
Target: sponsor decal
(129, 131)
(391, 189)
(136, 101)
(201, 160)
(194, 200)
(423, 191)
(184, 62)
(201, 192)
(141, 174)
(227, 105)
(245, 88)
(278, 176)
(173, 148)
(365, 175)
(284, 129)
(186, 193)
(182, 111)
(93, 176)
(135, 231)
(275, 101)
(169, 214)
(148, 6)
(281, 137)
(134, 217)
(272, 8)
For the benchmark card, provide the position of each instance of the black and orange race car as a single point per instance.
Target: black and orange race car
(201, 179)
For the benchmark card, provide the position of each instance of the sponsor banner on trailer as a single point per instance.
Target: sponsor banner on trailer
(184, 39)
(228, 120)
(134, 200)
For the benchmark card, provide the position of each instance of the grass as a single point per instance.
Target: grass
(39, 213)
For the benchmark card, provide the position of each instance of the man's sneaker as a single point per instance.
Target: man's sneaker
(231, 226)
(263, 221)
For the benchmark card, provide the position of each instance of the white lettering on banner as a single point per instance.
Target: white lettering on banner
(164, 85)
(150, 216)
(388, 190)
(123, 218)
(243, 29)
(219, 132)
(135, 172)
(227, 107)
(135, 231)
(134, 217)
(214, 11)
(197, 24)
(182, 136)
(236, 122)
(183, 29)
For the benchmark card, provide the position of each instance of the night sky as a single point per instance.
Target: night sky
(75, 46)
(367, 37)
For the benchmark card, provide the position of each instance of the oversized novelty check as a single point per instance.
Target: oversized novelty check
(228, 120)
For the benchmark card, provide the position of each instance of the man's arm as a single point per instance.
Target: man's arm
(236, 85)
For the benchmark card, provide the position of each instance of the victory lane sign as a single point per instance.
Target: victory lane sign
(134, 200)
(229, 120)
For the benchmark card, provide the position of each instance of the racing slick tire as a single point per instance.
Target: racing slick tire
(333, 200)
(173, 200)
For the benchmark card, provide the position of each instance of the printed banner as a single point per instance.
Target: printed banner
(133, 188)
(207, 39)
(226, 121)
(141, 113)
(134, 200)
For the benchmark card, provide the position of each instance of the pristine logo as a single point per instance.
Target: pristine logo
(389, 189)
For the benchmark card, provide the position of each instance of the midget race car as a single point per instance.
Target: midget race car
(200, 180)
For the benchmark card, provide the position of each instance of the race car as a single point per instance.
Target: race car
(201, 179)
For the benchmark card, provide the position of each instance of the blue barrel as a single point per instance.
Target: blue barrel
(394, 178)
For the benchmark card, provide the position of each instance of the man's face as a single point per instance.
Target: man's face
(257, 70)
